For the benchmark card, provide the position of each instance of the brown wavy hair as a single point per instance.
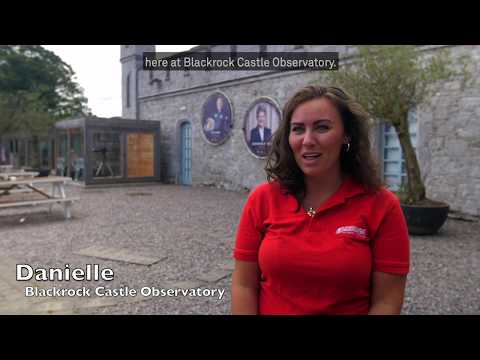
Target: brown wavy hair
(357, 162)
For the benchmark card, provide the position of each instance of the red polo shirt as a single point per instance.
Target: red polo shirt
(324, 264)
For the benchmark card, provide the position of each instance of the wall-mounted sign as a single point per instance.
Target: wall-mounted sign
(217, 121)
(261, 121)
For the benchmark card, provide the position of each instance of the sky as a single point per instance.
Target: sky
(98, 71)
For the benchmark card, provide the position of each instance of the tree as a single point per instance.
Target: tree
(36, 89)
(388, 81)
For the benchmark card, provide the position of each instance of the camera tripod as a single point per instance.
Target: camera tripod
(103, 164)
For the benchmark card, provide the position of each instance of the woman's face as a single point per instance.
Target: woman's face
(219, 104)
(316, 137)
(261, 117)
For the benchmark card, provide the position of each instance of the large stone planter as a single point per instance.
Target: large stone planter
(426, 218)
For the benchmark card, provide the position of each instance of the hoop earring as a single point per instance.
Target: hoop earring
(348, 147)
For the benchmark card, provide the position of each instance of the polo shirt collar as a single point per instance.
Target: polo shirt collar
(348, 189)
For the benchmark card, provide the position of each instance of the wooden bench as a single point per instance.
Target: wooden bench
(67, 202)
(57, 195)
(5, 168)
(20, 175)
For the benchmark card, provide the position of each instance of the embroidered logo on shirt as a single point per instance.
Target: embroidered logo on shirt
(352, 230)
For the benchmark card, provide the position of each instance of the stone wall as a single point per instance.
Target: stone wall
(449, 138)
(229, 165)
(448, 128)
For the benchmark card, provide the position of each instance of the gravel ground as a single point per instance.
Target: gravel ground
(194, 228)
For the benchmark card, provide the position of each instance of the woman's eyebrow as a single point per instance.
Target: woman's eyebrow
(314, 122)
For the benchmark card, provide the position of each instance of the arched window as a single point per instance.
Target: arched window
(127, 86)
(263, 50)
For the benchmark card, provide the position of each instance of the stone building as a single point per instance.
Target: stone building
(446, 134)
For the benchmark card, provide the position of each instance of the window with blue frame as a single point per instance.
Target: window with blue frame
(393, 160)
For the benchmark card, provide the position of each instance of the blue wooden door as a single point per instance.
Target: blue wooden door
(186, 156)
(394, 171)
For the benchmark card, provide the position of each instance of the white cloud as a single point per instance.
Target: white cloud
(98, 71)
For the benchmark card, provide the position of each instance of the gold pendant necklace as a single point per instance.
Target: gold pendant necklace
(311, 212)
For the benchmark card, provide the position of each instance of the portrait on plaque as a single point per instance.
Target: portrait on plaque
(217, 122)
(261, 121)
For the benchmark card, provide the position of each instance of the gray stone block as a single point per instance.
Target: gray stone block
(214, 276)
(116, 254)
(188, 284)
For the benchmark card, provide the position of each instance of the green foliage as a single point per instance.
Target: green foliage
(389, 80)
(23, 112)
(36, 89)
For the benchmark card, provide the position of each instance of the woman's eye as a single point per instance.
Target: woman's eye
(323, 127)
(296, 129)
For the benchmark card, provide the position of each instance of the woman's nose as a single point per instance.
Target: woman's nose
(308, 138)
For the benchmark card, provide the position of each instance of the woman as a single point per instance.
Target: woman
(322, 236)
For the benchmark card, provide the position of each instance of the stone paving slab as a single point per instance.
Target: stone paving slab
(14, 302)
(214, 275)
(53, 305)
(117, 254)
(8, 269)
(188, 284)
(17, 303)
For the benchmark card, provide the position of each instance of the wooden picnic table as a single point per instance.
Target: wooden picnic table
(25, 174)
(57, 194)
(4, 168)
